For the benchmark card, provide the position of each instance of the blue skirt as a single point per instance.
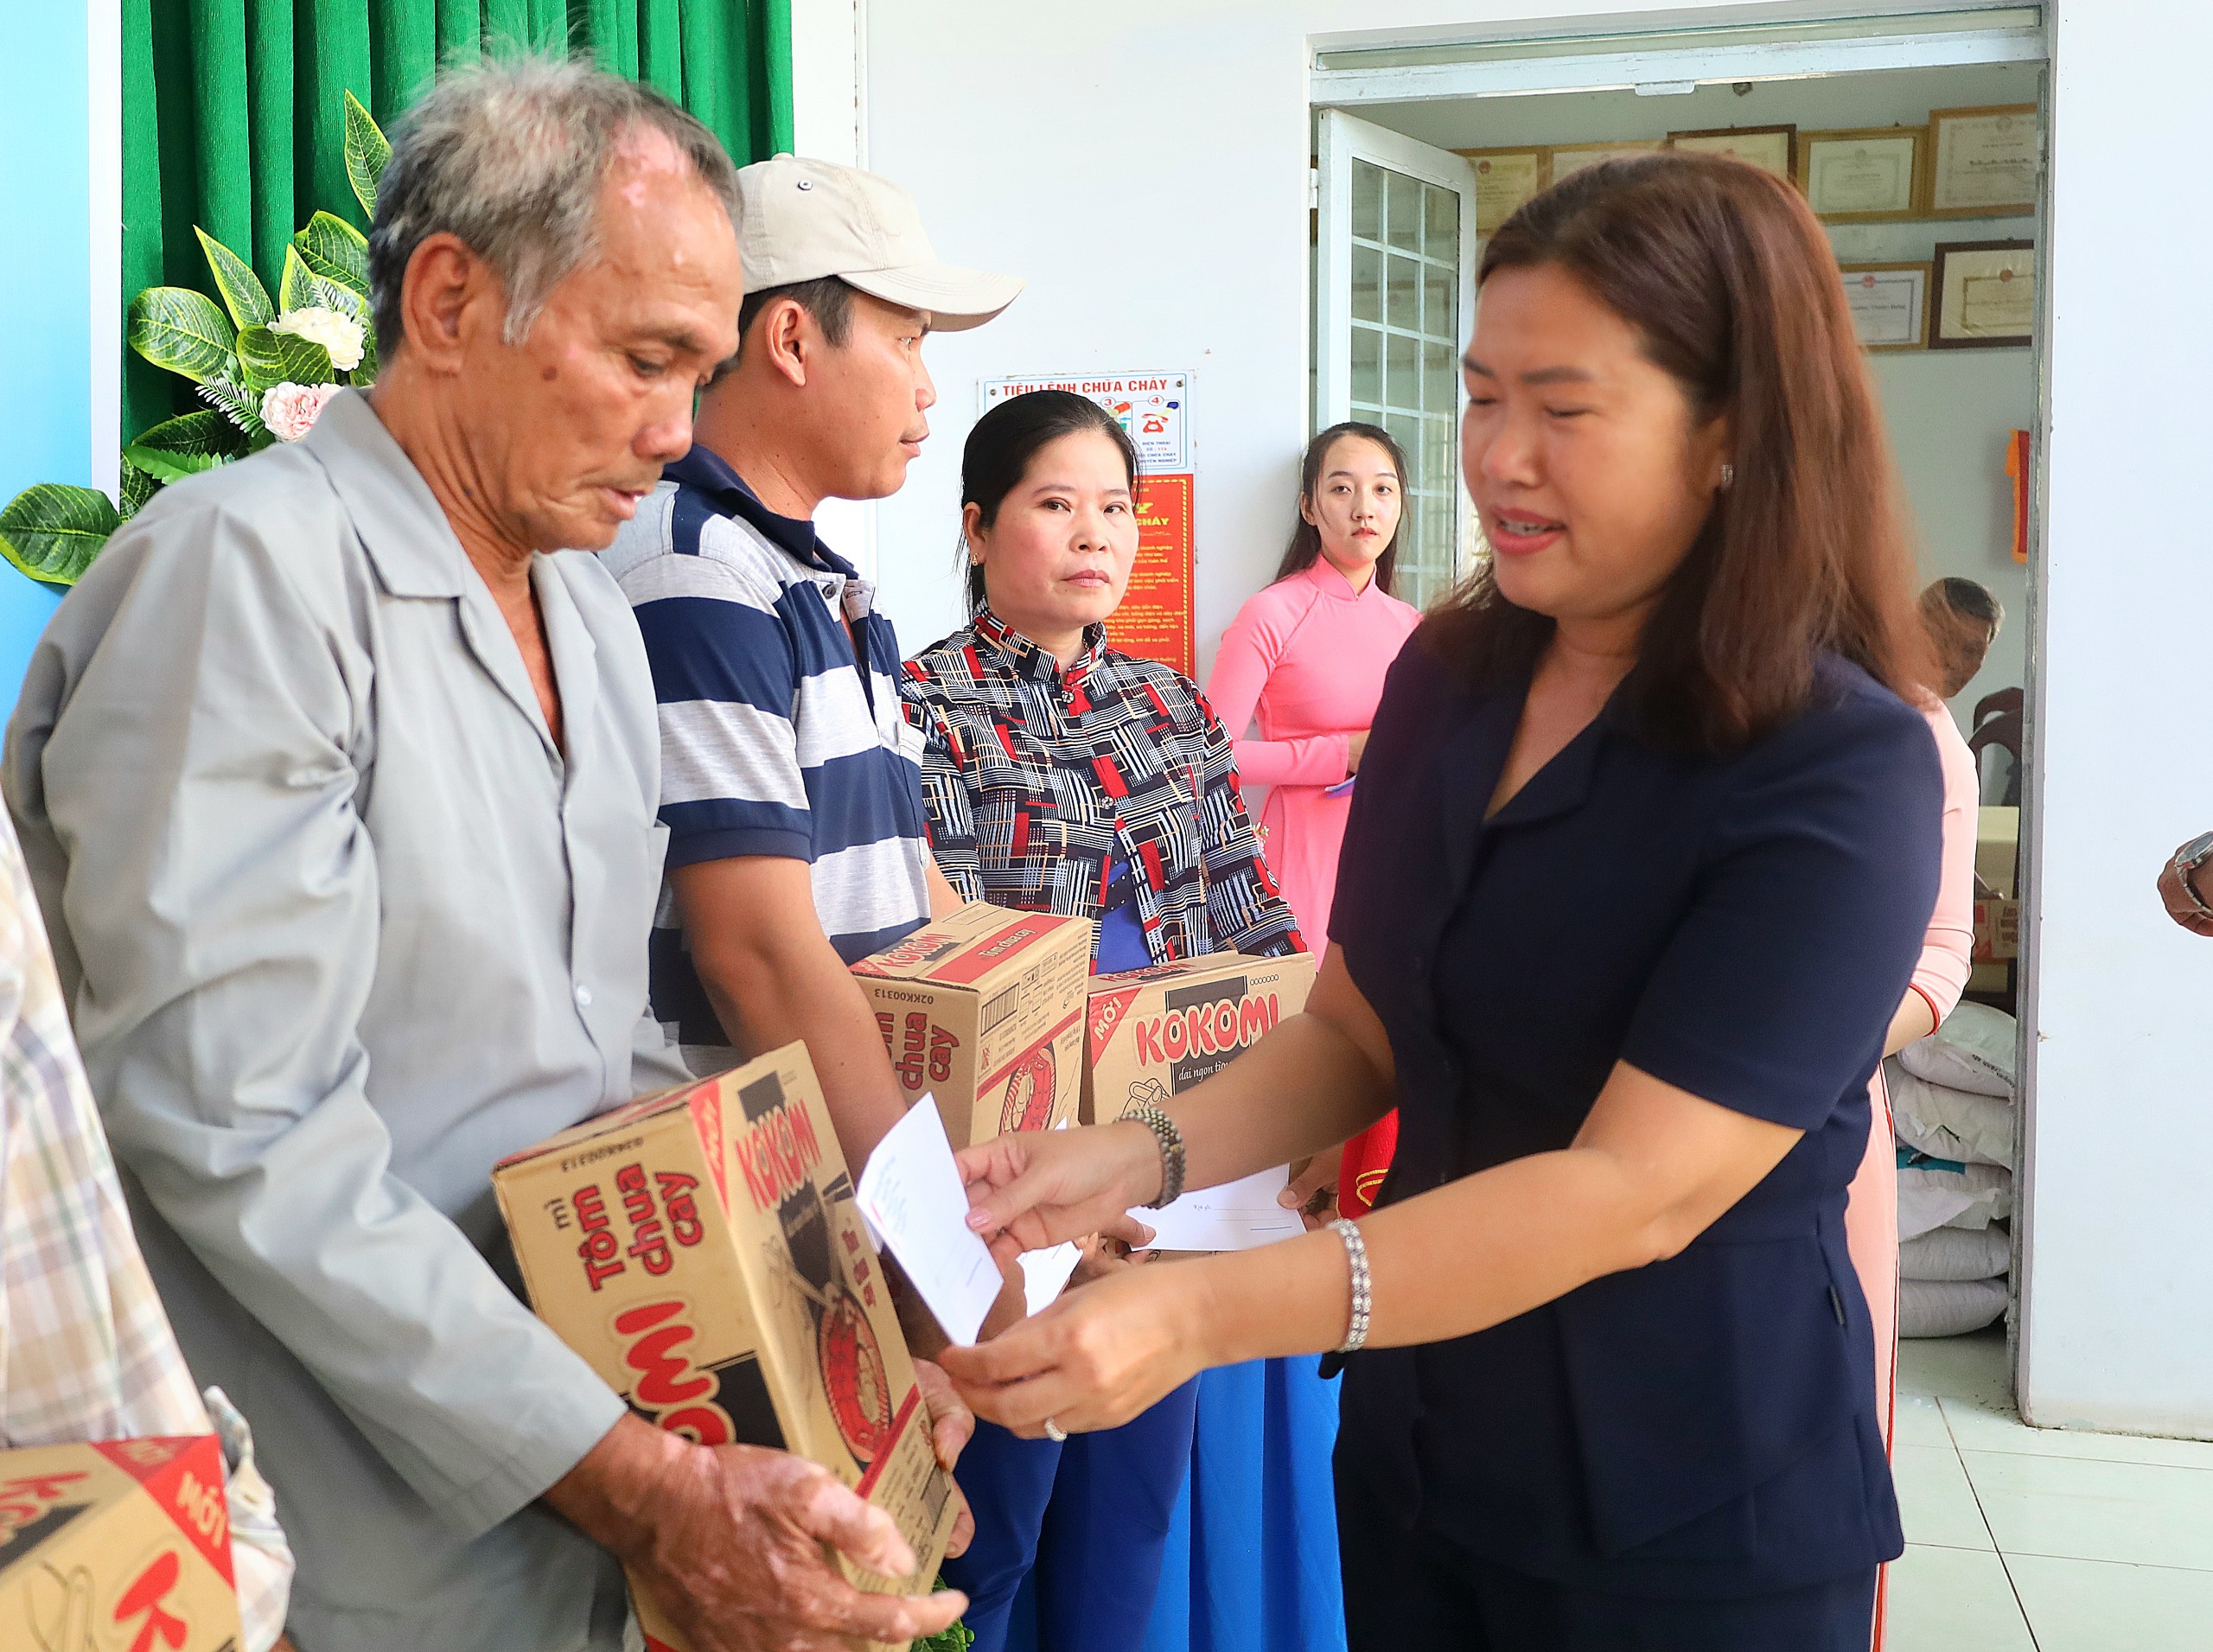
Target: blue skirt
(1252, 1563)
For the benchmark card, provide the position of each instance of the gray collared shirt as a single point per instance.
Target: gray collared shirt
(341, 926)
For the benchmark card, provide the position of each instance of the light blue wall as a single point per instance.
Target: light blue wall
(45, 286)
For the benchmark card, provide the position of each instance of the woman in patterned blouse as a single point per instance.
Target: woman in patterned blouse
(1061, 776)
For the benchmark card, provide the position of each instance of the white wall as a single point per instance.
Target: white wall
(1146, 166)
(2118, 1331)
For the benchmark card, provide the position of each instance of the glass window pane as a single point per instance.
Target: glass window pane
(1437, 319)
(1406, 430)
(1438, 461)
(1402, 382)
(1367, 200)
(1402, 306)
(1437, 376)
(1367, 366)
(1409, 532)
(1437, 533)
(1402, 219)
(1367, 284)
(1441, 237)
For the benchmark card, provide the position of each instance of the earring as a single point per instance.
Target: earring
(1728, 477)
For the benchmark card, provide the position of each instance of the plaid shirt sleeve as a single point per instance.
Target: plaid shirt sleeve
(86, 1347)
(1244, 908)
(946, 808)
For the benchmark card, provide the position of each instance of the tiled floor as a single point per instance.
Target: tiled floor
(2028, 1539)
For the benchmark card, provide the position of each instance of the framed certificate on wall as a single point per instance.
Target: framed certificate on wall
(1504, 179)
(1771, 149)
(1985, 294)
(1889, 305)
(1863, 175)
(1574, 157)
(1987, 162)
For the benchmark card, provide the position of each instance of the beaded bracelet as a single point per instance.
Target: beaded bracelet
(1363, 1299)
(1171, 1150)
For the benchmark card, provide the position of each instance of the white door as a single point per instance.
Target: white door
(1397, 242)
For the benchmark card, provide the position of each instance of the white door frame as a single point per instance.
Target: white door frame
(1340, 140)
(1658, 58)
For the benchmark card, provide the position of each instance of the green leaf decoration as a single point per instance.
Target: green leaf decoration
(52, 532)
(239, 406)
(296, 287)
(335, 295)
(193, 433)
(243, 294)
(139, 487)
(956, 1637)
(366, 154)
(181, 330)
(336, 251)
(271, 358)
(172, 467)
(185, 446)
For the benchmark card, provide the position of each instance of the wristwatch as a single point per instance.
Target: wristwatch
(2188, 859)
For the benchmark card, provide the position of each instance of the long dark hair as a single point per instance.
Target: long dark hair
(1732, 286)
(1306, 539)
(1004, 440)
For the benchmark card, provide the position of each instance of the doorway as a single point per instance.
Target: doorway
(1422, 148)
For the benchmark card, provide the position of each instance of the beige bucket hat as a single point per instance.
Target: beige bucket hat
(804, 219)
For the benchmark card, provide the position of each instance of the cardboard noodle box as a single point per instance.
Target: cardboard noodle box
(701, 1250)
(1153, 1033)
(118, 1547)
(1996, 929)
(984, 1008)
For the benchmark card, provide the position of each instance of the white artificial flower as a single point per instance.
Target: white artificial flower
(340, 335)
(290, 410)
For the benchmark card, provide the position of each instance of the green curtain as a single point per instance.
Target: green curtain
(234, 109)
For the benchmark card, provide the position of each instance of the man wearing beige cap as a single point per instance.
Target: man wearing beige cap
(790, 781)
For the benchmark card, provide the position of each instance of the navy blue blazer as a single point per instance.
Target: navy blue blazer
(1743, 926)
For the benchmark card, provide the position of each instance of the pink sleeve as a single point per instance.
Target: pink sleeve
(1250, 648)
(1941, 975)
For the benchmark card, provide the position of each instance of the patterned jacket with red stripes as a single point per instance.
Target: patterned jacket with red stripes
(1034, 777)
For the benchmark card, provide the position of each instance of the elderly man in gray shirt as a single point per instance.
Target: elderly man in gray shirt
(337, 777)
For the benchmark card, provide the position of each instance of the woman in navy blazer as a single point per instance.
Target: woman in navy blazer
(1644, 846)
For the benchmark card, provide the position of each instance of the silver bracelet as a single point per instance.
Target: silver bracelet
(1363, 1297)
(1171, 1150)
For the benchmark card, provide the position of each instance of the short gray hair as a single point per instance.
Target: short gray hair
(508, 156)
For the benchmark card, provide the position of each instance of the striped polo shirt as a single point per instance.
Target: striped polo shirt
(774, 742)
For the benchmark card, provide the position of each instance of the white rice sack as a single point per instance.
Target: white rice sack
(1972, 1051)
(1956, 1253)
(1935, 1195)
(1945, 1123)
(1948, 1308)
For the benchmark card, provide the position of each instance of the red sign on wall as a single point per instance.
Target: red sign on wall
(1156, 619)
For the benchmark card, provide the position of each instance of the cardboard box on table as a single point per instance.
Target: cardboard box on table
(1152, 1033)
(117, 1547)
(701, 1250)
(984, 1008)
(1997, 907)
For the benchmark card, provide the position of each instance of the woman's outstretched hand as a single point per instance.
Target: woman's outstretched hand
(1095, 1359)
(1040, 1187)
